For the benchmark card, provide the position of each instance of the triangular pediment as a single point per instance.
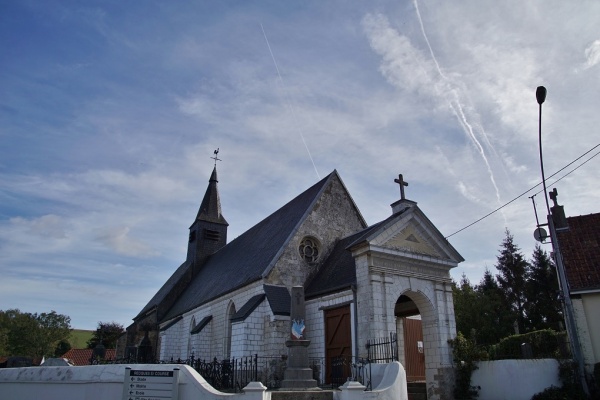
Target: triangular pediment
(411, 234)
(409, 239)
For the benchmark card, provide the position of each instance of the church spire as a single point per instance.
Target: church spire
(208, 232)
(210, 208)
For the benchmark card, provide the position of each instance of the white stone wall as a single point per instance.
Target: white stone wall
(202, 343)
(248, 335)
(582, 310)
(211, 341)
(381, 279)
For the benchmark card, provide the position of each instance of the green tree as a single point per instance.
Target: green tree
(108, 333)
(33, 335)
(466, 310)
(543, 306)
(513, 274)
(496, 319)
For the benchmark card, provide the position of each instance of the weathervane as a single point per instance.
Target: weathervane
(216, 153)
(400, 181)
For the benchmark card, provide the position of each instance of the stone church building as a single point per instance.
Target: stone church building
(232, 299)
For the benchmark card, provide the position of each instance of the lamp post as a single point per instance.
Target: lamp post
(565, 296)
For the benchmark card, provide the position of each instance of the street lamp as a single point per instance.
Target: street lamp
(556, 215)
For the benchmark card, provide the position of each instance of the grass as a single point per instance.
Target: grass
(79, 338)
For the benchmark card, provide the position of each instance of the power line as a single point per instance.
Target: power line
(530, 189)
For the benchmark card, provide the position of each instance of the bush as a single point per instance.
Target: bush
(545, 343)
(465, 354)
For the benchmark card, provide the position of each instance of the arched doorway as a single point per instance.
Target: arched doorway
(409, 330)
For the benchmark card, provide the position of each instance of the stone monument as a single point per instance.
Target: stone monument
(298, 375)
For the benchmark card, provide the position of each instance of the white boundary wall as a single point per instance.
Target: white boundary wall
(514, 379)
(102, 382)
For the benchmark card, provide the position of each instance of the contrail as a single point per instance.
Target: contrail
(289, 103)
(457, 108)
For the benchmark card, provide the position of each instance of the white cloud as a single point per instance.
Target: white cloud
(592, 54)
(122, 243)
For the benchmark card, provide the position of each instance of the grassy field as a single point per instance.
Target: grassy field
(79, 338)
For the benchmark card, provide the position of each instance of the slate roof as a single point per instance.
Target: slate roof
(247, 308)
(279, 299)
(338, 271)
(83, 356)
(580, 247)
(210, 208)
(165, 289)
(250, 256)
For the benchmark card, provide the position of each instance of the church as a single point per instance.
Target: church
(232, 299)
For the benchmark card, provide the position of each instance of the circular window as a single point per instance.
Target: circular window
(309, 249)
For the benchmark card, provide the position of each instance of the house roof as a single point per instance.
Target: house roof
(580, 248)
(82, 356)
(250, 256)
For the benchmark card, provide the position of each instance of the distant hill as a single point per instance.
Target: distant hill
(79, 338)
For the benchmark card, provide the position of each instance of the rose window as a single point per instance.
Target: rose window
(309, 249)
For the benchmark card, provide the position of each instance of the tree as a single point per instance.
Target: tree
(496, 319)
(33, 335)
(543, 307)
(513, 274)
(465, 307)
(108, 333)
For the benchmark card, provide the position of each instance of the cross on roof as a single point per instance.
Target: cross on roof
(216, 153)
(400, 181)
(554, 196)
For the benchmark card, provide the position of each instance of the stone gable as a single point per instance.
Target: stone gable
(333, 216)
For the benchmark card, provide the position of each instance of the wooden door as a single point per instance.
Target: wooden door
(338, 343)
(414, 355)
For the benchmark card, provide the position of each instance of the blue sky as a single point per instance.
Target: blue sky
(110, 112)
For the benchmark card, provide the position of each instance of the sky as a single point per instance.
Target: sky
(110, 112)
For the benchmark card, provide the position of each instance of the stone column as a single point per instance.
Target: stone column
(298, 374)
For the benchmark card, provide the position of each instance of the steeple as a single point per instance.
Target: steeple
(208, 232)
(210, 208)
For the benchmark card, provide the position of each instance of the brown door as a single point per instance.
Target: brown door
(338, 344)
(414, 356)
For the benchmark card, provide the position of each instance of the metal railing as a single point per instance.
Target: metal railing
(235, 373)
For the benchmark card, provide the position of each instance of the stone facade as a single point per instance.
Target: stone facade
(334, 216)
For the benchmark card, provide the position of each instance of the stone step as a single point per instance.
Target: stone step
(302, 395)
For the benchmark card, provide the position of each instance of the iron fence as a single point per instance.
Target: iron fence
(234, 374)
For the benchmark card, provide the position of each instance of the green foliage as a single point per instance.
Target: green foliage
(465, 355)
(32, 335)
(62, 347)
(543, 308)
(514, 271)
(544, 343)
(480, 311)
(108, 333)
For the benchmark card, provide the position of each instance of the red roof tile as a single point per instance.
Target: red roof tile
(83, 356)
(580, 247)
